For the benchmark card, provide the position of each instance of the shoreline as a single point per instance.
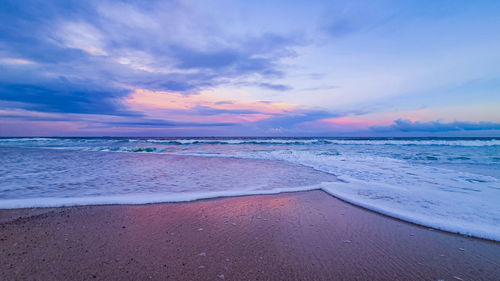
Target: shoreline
(40, 210)
(462, 208)
(287, 236)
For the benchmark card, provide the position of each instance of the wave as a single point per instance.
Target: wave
(140, 198)
(449, 200)
(128, 149)
(400, 206)
(469, 224)
(382, 179)
(27, 139)
(261, 141)
(489, 142)
(235, 141)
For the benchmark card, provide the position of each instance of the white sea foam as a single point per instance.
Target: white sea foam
(140, 198)
(422, 206)
(458, 213)
(445, 199)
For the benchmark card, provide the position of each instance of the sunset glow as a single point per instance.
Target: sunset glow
(176, 67)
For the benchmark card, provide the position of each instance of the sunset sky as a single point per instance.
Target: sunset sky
(249, 68)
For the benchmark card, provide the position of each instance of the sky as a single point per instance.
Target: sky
(249, 68)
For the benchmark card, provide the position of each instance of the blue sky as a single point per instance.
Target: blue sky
(250, 68)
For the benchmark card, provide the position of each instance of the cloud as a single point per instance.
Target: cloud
(100, 121)
(275, 87)
(346, 18)
(15, 61)
(207, 110)
(293, 118)
(213, 62)
(342, 27)
(223, 102)
(100, 53)
(402, 125)
(152, 123)
(320, 88)
(64, 96)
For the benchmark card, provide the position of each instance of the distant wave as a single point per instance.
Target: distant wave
(491, 142)
(235, 141)
(129, 149)
(263, 141)
(27, 139)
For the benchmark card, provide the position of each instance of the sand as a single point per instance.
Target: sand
(289, 236)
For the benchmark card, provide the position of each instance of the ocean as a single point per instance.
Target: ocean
(452, 184)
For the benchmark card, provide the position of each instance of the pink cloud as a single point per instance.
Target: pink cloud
(182, 108)
(351, 122)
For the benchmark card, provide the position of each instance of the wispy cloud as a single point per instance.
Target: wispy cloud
(276, 87)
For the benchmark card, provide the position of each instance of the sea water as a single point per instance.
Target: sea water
(451, 184)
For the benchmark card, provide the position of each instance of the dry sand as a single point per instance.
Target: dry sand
(289, 236)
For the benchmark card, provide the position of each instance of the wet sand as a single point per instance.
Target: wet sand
(290, 236)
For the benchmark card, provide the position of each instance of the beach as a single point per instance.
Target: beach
(249, 140)
(289, 236)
